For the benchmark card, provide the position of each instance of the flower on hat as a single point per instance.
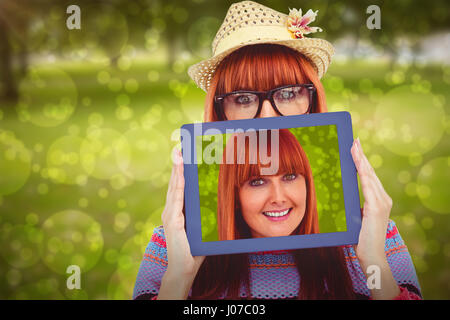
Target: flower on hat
(298, 24)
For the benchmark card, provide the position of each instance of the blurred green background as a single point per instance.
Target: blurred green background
(88, 119)
(321, 146)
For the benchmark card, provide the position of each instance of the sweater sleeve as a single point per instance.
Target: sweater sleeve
(152, 268)
(405, 294)
(401, 264)
(399, 261)
(154, 265)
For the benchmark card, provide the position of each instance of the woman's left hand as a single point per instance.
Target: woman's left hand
(375, 219)
(375, 213)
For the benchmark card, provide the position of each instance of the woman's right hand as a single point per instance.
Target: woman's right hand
(182, 266)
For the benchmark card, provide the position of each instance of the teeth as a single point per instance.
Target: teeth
(276, 214)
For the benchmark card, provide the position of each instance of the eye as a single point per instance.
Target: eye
(290, 177)
(244, 99)
(256, 182)
(286, 94)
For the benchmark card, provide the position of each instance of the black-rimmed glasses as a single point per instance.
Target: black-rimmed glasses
(286, 100)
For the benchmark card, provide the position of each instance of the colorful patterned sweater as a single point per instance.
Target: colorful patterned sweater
(274, 275)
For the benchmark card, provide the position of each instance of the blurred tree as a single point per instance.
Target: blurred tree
(14, 23)
(174, 19)
(407, 20)
(411, 20)
(110, 26)
(7, 81)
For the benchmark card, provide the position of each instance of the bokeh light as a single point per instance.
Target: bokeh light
(432, 185)
(20, 245)
(414, 235)
(409, 121)
(129, 257)
(200, 35)
(64, 163)
(41, 289)
(71, 237)
(209, 224)
(15, 163)
(38, 104)
(121, 283)
(152, 116)
(149, 154)
(103, 152)
(192, 103)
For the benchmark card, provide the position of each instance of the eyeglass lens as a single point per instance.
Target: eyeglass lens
(289, 101)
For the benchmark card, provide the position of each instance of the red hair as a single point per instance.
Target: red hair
(323, 271)
(291, 159)
(262, 67)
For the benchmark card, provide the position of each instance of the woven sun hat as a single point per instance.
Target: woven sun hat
(248, 23)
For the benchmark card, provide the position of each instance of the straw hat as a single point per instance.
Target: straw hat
(248, 23)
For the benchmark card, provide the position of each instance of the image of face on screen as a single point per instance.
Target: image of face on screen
(255, 205)
(273, 206)
(306, 173)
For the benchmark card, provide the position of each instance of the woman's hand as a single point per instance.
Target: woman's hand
(376, 209)
(182, 266)
(375, 218)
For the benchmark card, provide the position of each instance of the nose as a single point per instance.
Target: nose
(279, 197)
(267, 110)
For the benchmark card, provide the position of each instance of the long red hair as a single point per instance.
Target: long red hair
(290, 159)
(323, 271)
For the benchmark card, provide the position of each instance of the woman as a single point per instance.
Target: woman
(259, 49)
(251, 205)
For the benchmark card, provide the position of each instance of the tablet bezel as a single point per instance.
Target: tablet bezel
(343, 123)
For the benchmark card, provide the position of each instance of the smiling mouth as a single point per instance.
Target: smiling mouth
(277, 214)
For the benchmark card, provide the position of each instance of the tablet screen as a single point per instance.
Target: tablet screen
(270, 183)
(321, 152)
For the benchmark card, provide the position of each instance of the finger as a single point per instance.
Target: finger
(384, 199)
(171, 182)
(377, 186)
(382, 194)
(364, 161)
(178, 197)
(178, 192)
(179, 170)
(380, 186)
(169, 196)
(198, 260)
(362, 172)
(177, 157)
(172, 198)
(355, 155)
(176, 161)
(379, 199)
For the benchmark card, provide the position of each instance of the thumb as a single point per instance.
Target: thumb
(198, 260)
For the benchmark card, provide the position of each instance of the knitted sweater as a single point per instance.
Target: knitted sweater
(274, 275)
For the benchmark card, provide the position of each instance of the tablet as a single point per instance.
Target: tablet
(266, 184)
